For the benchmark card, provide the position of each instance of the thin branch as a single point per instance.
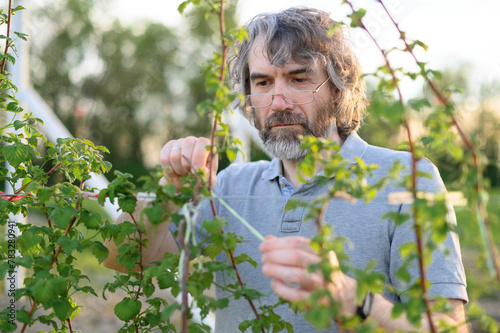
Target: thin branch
(70, 326)
(184, 277)
(444, 101)
(418, 232)
(2, 70)
(212, 152)
(141, 265)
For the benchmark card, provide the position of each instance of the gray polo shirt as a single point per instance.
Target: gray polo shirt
(253, 190)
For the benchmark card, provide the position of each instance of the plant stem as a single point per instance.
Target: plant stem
(70, 326)
(2, 70)
(184, 277)
(481, 207)
(212, 152)
(141, 265)
(418, 232)
(56, 254)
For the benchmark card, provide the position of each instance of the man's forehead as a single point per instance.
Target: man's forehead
(259, 60)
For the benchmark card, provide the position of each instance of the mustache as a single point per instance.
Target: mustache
(285, 118)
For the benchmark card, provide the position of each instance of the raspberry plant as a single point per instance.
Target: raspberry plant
(46, 251)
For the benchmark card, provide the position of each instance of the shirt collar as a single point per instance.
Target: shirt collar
(353, 147)
(273, 171)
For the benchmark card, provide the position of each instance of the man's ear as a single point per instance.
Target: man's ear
(337, 95)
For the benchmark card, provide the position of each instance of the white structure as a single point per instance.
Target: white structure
(53, 128)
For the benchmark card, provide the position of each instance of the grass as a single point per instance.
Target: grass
(482, 286)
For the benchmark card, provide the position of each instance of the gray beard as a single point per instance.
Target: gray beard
(284, 143)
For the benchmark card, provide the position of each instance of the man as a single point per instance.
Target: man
(299, 81)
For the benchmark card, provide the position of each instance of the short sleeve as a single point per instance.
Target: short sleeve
(445, 272)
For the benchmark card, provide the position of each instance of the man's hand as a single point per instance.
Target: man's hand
(286, 260)
(184, 156)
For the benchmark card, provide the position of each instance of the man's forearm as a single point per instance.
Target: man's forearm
(382, 309)
(160, 240)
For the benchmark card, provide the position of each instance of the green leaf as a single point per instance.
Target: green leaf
(91, 221)
(76, 308)
(403, 274)
(356, 17)
(182, 6)
(148, 289)
(23, 316)
(25, 261)
(101, 198)
(155, 214)
(44, 194)
(213, 226)
(231, 153)
(44, 292)
(127, 203)
(245, 258)
(63, 309)
(100, 251)
(166, 280)
(169, 310)
(4, 266)
(127, 309)
(21, 35)
(14, 106)
(62, 216)
(17, 153)
(244, 325)
(398, 310)
(18, 124)
(407, 249)
(69, 245)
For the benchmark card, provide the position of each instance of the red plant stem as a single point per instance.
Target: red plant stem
(54, 168)
(321, 215)
(51, 171)
(70, 325)
(478, 187)
(212, 151)
(418, 231)
(141, 265)
(7, 39)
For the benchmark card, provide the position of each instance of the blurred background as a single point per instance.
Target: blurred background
(129, 74)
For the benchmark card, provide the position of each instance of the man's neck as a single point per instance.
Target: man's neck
(290, 167)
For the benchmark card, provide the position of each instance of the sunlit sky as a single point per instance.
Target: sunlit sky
(456, 31)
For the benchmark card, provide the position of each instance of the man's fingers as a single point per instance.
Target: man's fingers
(175, 158)
(184, 156)
(295, 275)
(288, 293)
(293, 242)
(290, 257)
(186, 151)
(200, 154)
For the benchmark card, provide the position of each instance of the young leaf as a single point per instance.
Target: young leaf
(100, 251)
(127, 309)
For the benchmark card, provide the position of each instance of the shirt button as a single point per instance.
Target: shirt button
(282, 184)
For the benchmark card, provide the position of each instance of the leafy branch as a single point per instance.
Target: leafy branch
(481, 205)
(358, 21)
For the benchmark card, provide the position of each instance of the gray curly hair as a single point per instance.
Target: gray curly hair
(302, 35)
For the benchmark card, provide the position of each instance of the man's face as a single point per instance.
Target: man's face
(280, 123)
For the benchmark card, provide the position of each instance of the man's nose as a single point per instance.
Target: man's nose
(279, 102)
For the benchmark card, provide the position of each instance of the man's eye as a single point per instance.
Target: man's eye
(261, 83)
(300, 81)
